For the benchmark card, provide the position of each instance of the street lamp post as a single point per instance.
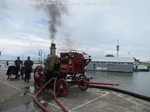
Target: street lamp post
(45, 57)
(40, 54)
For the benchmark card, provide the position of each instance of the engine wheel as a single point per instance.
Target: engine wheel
(62, 87)
(39, 79)
(81, 84)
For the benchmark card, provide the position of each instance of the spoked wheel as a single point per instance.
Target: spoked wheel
(39, 79)
(62, 87)
(81, 84)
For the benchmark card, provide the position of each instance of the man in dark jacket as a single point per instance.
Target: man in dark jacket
(18, 63)
(28, 69)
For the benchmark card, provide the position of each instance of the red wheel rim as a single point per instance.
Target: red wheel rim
(81, 85)
(62, 87)
(39, 82)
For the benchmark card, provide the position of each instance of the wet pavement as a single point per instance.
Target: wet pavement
(18, 96)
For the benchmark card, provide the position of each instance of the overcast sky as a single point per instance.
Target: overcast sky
(94, 26)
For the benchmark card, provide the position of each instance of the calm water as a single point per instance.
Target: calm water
(137, 82)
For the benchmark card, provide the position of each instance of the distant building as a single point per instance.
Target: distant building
(114, 64)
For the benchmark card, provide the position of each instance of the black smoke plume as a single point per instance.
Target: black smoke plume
(55, 11)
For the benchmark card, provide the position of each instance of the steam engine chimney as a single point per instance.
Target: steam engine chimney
(52, 50)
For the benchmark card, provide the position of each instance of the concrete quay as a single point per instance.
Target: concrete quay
(18, 96)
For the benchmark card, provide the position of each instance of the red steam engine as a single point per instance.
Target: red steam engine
(70, 63)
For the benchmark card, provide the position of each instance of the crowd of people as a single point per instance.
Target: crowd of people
(23, 68)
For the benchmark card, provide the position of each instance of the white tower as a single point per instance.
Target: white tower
(117, 47)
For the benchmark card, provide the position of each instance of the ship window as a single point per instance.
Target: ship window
(125, 63)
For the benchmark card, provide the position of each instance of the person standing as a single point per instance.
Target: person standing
(28, 68)
(18, 63)
(7, 63)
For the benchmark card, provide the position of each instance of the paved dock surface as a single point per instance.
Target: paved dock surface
(18, 96)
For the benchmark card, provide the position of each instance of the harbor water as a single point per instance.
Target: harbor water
(137, 82)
